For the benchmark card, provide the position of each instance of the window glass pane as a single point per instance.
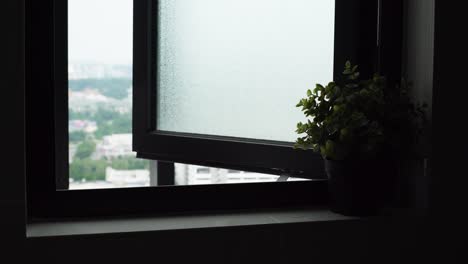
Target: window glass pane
(100, 96)
(239, 67)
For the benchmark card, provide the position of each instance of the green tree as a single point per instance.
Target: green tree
(111, 87)
(85, 149)
(73, 115)
(77, 136)
(130, 163)
(122, 124)
(103, 116)
(104, 130)
(88, 170)
(117, 124)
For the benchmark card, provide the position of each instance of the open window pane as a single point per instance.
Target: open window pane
(238, 68)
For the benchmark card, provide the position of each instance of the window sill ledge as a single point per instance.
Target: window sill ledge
(182, 222)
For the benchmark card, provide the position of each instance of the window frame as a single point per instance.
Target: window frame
(47, 140)
(264, 156)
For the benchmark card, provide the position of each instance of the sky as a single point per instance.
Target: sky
(100, 31)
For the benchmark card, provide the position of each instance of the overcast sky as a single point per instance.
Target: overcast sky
(100, 31)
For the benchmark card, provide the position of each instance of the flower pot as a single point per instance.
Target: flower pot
(359, 187)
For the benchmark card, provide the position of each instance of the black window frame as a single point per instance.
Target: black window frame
(47, 135)
(265, 156)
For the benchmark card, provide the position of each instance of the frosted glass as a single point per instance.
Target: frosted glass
(238, 67)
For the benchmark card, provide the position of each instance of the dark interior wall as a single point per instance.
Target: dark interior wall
(12, 205)
(418, 55)
(12, 102)
(418, 51)
(418, 68)
(448, 182)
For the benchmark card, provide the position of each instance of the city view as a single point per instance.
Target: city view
(100, 87)
(100, 115)
(100, 139)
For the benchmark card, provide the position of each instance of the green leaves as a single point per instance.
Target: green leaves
(85, 149)
(301, 128)
(348, 68)
(351, 71)
(318, 88)
(355, 118)
(301, 103)
(329, 148)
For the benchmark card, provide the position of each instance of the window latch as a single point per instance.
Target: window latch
(286, 174)
(283, 177)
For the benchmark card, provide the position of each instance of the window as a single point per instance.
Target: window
(205, 61)
(100, 104)
(216, 82)
(228, 139)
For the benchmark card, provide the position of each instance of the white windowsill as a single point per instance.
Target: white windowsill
(181, 222)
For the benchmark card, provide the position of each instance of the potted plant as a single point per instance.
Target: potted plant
(361, 128)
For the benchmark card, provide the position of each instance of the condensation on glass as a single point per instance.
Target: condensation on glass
(238, 68)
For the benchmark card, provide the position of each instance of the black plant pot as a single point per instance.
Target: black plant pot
(359, 187)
